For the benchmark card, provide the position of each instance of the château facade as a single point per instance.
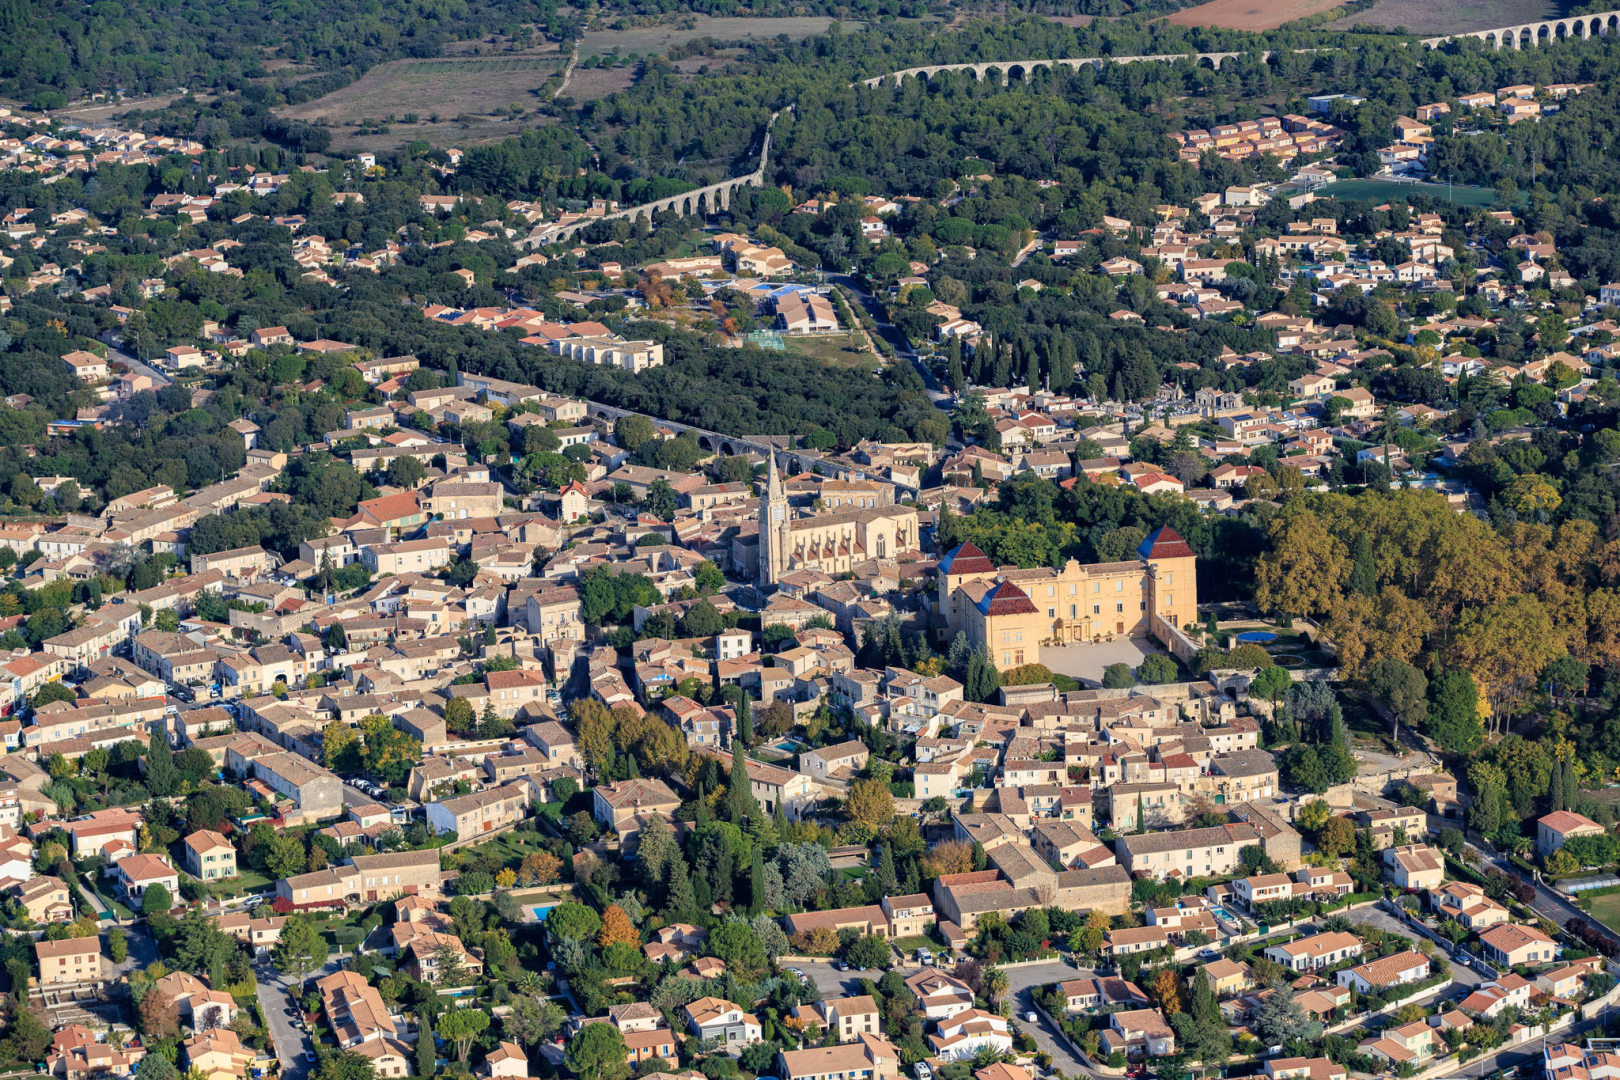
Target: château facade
(1011, 613)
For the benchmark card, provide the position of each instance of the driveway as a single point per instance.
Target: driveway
(143, 951)
(1086, 662)
(114, 352)
(1022, 982)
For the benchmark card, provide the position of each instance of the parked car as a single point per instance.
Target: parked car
(1031, 1018)
(923, 1071)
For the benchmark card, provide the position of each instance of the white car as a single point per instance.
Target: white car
(923, 1071)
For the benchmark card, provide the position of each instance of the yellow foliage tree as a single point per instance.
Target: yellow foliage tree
(951, 857)
(1167, 991)
(871, 804)
(616, 928)
(541, 868)
(506, 878)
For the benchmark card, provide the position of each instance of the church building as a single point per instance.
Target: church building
(833, 543)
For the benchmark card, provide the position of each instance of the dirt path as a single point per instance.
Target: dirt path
(567, 71)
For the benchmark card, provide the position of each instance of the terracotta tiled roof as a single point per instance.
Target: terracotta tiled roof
(966, 559)
(1165, 543)
(1007, 599)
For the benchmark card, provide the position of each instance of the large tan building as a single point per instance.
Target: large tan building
(1012, 613)
(72, 960)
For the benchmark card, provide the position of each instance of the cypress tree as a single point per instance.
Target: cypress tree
(745, 720)
(682, 897)
(1363, 575)
(886, 876)
(756, 882)
(426, 1058)
(980, 859)
(740, 804)
(162, 778)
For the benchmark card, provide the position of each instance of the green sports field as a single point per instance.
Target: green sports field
(1381, 190)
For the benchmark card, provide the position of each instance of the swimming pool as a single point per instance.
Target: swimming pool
(540, 913)
(1259, 637)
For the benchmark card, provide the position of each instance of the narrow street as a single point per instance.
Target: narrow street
(279, 1007)
(902, 347)
(138, 367)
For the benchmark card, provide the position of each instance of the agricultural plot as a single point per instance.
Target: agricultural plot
(657, 39)
(445, 88)
(1379, 190)
(1251, 14)
(1453, 16)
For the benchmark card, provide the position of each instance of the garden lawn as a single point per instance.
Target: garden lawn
(244, 882)
(908, 946)
(513, 847)
(1606, 910)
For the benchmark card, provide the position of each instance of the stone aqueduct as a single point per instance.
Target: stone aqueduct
(1007, 69)
(1542, 32)
(700, 201)
(707, 200)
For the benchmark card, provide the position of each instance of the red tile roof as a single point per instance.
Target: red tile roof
(966, 559)
(1007, 599)
(1164, 543)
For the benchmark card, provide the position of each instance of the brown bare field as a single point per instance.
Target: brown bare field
(588, 84)
(474, 133)
(1250, 14)
(426, 87)
(1453, 16)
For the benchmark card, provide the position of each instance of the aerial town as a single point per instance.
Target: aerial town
(622, 543)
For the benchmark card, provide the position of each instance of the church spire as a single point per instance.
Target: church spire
(773, 485)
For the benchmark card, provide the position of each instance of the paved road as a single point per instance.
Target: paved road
(1025, 252)
(275, 1000)
(892, 334)
(1461, 975)
(1548, 902)
(136, 366)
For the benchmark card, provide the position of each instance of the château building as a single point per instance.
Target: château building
(1012, 613)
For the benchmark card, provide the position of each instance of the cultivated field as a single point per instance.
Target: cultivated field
(1251, 14)
(447, 87)
(1453, 16)
(658, 39)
